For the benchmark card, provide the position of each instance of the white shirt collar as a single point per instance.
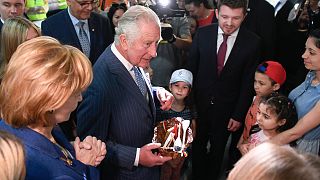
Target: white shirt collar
(234, 34)
(123, 60)
(75, 20)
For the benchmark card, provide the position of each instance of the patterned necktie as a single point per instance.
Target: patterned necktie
(140, 81)
(222, 53)
(84, 40)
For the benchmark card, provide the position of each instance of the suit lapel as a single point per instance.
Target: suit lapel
(233, 53)
(150, 93)
(92, 29)
(126, 82)
(74, 37)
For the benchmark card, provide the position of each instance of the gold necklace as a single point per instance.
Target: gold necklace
(65, 153)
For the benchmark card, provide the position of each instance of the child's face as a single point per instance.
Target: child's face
(267, 119)
(180, 90)
(193, 25)
(263, 84)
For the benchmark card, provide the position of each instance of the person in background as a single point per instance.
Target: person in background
(269, 161)
(80, 27)
(10, 8)
(36, 10)
(223, 59)
(42, 85)
(115, 13)
(203, 12)
(118, 107)
(15, 31)
(275, 114)
(56, 6)
(12, 157)
(193, 25)
(306, 98)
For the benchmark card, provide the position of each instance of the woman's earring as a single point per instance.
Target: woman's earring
(51, 111)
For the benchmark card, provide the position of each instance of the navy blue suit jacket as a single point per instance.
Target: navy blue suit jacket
(114, 110)
(43, 157)
(60, 27)
(230, 94)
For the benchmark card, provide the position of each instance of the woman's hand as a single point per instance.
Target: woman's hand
(90, 151)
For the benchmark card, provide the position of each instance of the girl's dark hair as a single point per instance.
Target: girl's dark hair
(283, 108)
(114, 7)
(316, 35)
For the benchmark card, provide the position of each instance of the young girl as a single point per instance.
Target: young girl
(275, 114)
(269, 77)
(180, 86)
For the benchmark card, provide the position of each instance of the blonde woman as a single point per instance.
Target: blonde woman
(41, 86)
(15, 31)
(12, 157)
(272, 162)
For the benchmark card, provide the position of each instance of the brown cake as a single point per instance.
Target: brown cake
(166, 133)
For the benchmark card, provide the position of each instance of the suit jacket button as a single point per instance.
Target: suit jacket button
(211, 102)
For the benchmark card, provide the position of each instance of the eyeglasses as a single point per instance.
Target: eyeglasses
(84, 4)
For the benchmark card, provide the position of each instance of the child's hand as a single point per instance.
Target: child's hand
(244, 148)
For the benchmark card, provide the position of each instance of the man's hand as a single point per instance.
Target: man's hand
(165, 98)
(233, 125)
(148, 159)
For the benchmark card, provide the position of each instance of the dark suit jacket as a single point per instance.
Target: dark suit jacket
(260, 20)
(114, 110)
(229, 94)
(60, 27)
(43, 157)
(1, 24)
(290, 45)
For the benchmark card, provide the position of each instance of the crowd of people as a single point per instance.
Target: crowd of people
(81, 93)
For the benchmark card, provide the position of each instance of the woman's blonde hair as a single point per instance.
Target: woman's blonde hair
(40, 77)
(272, 162)
(14, 32)
(12, 157)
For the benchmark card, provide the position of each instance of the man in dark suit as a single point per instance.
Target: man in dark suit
(116, 110)
(260, 20)
(63, 26)
(223, 91)
(10, 8)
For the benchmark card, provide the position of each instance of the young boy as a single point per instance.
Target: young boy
(269, 77)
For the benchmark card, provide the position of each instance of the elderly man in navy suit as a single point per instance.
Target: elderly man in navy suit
(118, 106)
(223, 70)
(80, 27)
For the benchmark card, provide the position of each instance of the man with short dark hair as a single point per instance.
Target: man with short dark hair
(223, 60)
(10, 8)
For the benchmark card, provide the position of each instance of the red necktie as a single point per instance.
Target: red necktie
(222, 53)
